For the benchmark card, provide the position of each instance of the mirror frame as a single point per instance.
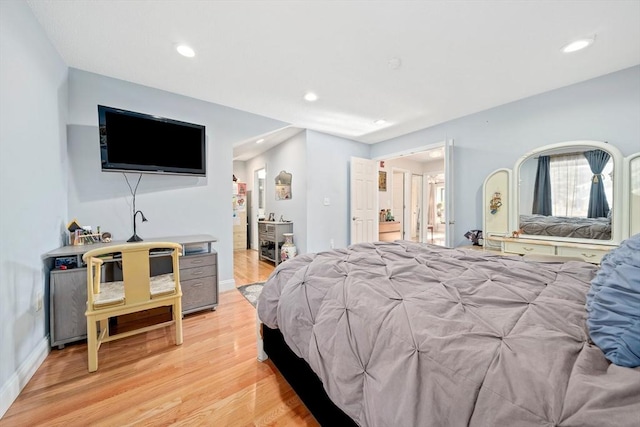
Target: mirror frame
(632, 202)
(617, 218)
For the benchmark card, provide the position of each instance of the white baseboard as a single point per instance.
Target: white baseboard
(226, 285)
(14, 385)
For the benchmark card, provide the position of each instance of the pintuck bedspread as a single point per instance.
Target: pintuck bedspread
(407, 334)
(564, 226)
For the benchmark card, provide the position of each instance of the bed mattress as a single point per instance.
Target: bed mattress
(407, 334)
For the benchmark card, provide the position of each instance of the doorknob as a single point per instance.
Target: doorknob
(354, 218)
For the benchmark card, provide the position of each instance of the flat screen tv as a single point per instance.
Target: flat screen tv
(137, 142)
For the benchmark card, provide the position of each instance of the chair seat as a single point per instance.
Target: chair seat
(112, 293)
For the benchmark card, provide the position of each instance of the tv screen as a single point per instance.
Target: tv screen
(136, 142)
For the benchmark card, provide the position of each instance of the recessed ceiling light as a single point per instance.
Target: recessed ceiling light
(435, 154)
(260, 141)
(310, 96)
(185, 50)
(380, 122)
(577, 45)
(395, 63)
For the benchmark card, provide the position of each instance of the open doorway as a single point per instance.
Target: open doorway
(420, 195)
(259, 201)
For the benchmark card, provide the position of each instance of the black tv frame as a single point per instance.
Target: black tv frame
(113, 166)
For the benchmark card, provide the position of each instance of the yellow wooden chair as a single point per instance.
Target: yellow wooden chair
(137, 291)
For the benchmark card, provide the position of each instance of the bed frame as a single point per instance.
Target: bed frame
(302, 379)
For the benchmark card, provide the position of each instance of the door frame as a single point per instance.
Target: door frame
(406, 186)
(255, 194)
(447, 144)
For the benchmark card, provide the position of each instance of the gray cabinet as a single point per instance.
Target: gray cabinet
(68, 288)
(199, 281)
(67, 304)
(271, 238)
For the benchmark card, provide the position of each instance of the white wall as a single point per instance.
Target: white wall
(33, 201)
(174, 205)
(328, 164)
(604, 109)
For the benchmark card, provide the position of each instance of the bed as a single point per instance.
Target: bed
(563, 226)
(408, 334)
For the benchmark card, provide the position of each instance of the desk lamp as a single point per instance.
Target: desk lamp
(135, 237)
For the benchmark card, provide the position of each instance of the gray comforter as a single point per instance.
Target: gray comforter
(564, 226)
(404, 334)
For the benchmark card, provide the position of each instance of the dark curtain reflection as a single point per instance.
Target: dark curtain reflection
(598, 205)
(542, 189)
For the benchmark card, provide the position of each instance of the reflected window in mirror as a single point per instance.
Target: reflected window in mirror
(571, 182)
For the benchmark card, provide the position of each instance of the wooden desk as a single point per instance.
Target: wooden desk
(67, 289)
(388, 231)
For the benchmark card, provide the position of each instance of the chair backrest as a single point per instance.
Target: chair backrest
(135, 268)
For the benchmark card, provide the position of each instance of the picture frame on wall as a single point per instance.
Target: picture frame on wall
(382, 181)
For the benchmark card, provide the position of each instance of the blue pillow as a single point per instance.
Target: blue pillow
(613, 304)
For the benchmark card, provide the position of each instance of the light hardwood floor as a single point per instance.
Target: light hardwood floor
(212, 379)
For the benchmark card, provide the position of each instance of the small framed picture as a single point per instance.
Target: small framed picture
(382, 181)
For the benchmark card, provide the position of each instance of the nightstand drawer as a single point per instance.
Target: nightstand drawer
(198, 293)
(528, 248)
(197, 272)
(589, 255)
(190, 261)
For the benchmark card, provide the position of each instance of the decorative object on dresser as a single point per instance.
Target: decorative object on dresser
(137, 290)
(542, 217)
(271, 238)
(67, 288)
(288, 249)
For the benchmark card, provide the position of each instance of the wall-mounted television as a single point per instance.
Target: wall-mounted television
(137, 142)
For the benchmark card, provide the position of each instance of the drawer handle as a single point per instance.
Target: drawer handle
(197, 261)
(197, 271)
(527, 249)
(196, 285)
(588, 255)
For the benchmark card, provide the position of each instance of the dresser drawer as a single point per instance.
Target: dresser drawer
(197, 272)
(198, 293)
(590, 255)
(529, 248)
(190, 261)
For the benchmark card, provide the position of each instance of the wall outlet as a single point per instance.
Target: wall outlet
(331, 243)
(39, 301)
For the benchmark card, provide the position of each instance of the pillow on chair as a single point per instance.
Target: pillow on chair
(613, 304)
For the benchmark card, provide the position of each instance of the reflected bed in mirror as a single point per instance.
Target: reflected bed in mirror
(567, 191)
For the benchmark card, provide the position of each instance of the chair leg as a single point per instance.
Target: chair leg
(177, 316)
(92, 344)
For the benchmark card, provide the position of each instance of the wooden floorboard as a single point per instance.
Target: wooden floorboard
(212, 379)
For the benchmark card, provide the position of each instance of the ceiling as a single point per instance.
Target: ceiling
(414, 64)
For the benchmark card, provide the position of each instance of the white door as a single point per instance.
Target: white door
(364, 200)
(416, 208)
(448, 194)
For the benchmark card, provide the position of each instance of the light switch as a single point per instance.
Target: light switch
(327, 202)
